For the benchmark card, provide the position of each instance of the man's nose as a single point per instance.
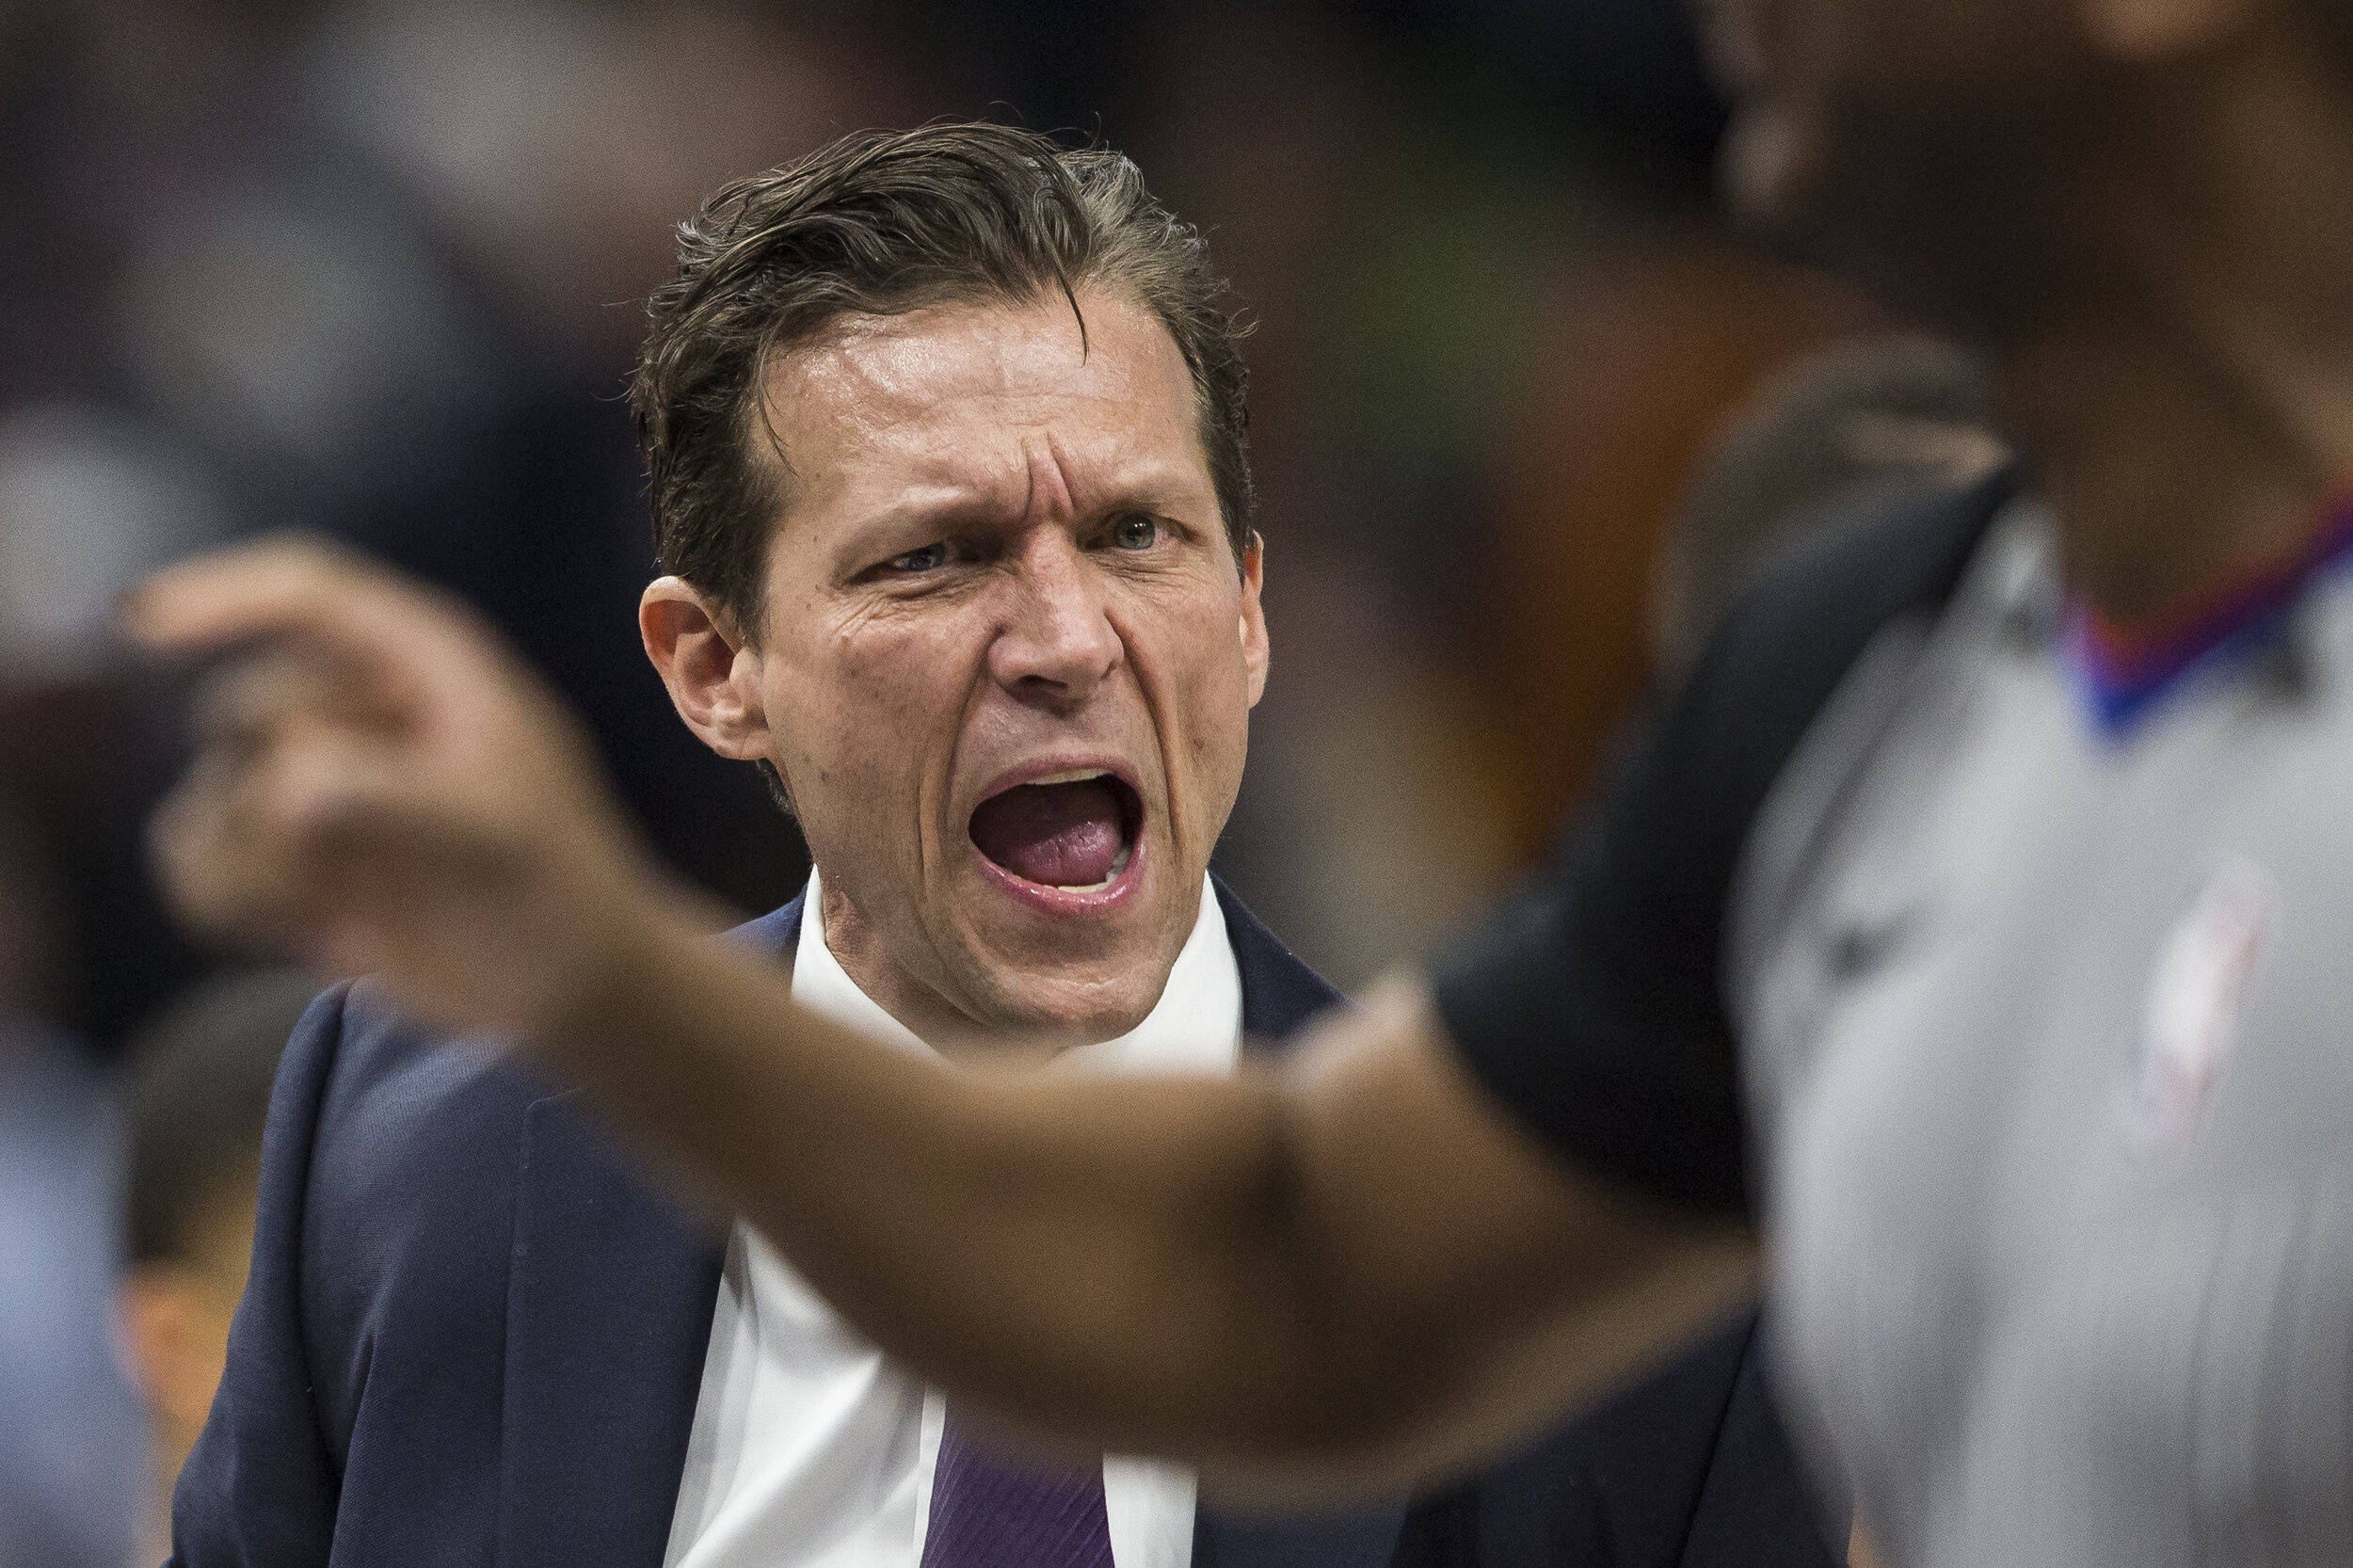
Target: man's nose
(1058, 642)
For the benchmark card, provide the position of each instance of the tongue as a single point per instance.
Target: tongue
(1063, 835)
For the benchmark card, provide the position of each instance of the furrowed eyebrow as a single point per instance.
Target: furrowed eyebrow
(1153, 487)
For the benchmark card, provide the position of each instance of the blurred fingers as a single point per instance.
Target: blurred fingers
(264, 590)
(241, 704)
(274, 838)
(409, 640)
(378, 783)
(229, 880)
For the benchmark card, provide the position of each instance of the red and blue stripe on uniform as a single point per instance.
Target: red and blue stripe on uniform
(2124, 670)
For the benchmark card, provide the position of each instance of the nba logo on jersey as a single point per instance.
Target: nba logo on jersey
(2192, 1012)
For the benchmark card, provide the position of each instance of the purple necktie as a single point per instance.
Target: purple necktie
(990, 1514)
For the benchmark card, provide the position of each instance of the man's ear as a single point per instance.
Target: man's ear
(2152, 31)
(713, 675)
(1255, 654)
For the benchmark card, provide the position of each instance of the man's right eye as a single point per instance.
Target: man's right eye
(930, 558)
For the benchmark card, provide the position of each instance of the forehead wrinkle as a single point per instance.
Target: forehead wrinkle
(1044, 468)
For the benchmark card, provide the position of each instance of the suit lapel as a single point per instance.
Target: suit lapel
(608, 1321)
(1280, 996)
(1279, 992)
(608, 1318)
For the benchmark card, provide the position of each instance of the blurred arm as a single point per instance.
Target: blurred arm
(1359, 1273)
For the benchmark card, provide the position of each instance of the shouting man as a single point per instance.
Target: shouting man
(949, 481)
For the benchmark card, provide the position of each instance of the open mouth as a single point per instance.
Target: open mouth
(1074, 832)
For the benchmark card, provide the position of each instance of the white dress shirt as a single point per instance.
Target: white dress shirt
(808, 1448)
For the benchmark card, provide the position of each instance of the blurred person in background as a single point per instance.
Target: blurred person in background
(198, 1086)
(1995, 853)
(988, 612)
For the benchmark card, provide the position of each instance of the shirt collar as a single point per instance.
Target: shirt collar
(2123, 670)
(1195, 1026)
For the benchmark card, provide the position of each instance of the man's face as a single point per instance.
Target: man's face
(1884, 133)
(1007, 657)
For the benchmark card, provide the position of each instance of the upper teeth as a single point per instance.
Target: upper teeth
(1076, 776)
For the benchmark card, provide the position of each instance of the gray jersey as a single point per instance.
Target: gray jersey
(2048, 1041)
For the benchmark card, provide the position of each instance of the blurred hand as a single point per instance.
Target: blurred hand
(382, 786)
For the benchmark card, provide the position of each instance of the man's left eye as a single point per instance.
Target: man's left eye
(1135, 531)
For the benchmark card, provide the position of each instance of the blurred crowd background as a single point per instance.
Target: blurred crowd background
(1522, 412)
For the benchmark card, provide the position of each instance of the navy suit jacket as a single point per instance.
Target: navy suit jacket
(475, 1334)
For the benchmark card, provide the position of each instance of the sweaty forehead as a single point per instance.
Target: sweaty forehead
(953, 394)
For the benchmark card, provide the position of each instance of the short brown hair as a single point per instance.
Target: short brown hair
(881, 223)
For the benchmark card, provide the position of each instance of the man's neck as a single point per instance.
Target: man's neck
(860, 948)
(2169, 483)
(2189, 425)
